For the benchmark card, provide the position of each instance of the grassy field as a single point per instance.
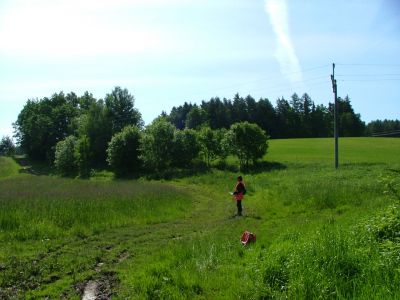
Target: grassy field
(321, 233)
(7, 167)
(321, 151)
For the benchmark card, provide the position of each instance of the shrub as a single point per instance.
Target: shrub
(186, 147)
(83, 156)
(157, 145)
(65, 156)
(123, 151)
(212, 145)
(248, 142)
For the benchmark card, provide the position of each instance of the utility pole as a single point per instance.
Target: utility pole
(336, 117)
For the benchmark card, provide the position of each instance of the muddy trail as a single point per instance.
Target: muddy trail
(88, 264)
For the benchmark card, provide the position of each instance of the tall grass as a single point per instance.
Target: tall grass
(47, 207)
(329, 262)
(202, 268)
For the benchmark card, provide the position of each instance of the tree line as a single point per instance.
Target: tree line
(383, 128)
(294, 118)
(78, 134)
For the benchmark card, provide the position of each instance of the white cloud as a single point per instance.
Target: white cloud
(285, 53)
(80, 28)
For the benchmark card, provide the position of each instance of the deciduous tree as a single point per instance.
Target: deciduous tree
(7, 147)
(65, 156)
(248, 142)
(157, 145)
(43, 123)
(124, 150)
(185, 147)
(120, 109)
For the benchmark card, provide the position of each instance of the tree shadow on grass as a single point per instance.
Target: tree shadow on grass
(259, 167)
(32, 167)
(201, 169)
(177, 173)
(264, 167)
(40, 168)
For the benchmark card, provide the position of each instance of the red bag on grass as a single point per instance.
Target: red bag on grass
(248, 237)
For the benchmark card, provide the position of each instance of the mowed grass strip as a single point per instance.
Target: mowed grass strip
(321, 150)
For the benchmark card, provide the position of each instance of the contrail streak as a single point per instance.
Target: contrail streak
(285, 53)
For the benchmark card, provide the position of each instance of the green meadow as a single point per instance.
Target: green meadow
(321, 233)
(7, 167)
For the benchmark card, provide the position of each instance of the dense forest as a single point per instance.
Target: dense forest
(383, 128)
(294, 118)
(78, 133)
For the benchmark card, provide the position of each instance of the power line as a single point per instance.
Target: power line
(307, 70)
(367, 75)
(369, 80)
(289, 87)
(369, 65)
(375, 74)
(268, 78)
(314, 81)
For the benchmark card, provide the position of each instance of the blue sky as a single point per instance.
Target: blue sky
(166, 52)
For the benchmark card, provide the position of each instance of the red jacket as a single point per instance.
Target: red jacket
(239, 189)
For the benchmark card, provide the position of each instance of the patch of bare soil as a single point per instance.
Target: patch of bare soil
(123, 255)
(99, 289)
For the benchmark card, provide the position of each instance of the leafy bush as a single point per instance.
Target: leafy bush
(96, 125)
(157, 145)
(65, 156)
(208, 144)
(385, 226)
(248, 142)
(186, 147)
(83, 156)
(123, 151)
(222, 143)
(391, 182)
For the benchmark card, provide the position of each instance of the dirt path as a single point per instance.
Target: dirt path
(91, 291)
(103, 252)
(203, 217)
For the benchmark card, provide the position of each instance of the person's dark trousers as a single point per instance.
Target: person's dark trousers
(239, 207)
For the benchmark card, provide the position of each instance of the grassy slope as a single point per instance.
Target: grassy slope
(304, 214)
(8, 167)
